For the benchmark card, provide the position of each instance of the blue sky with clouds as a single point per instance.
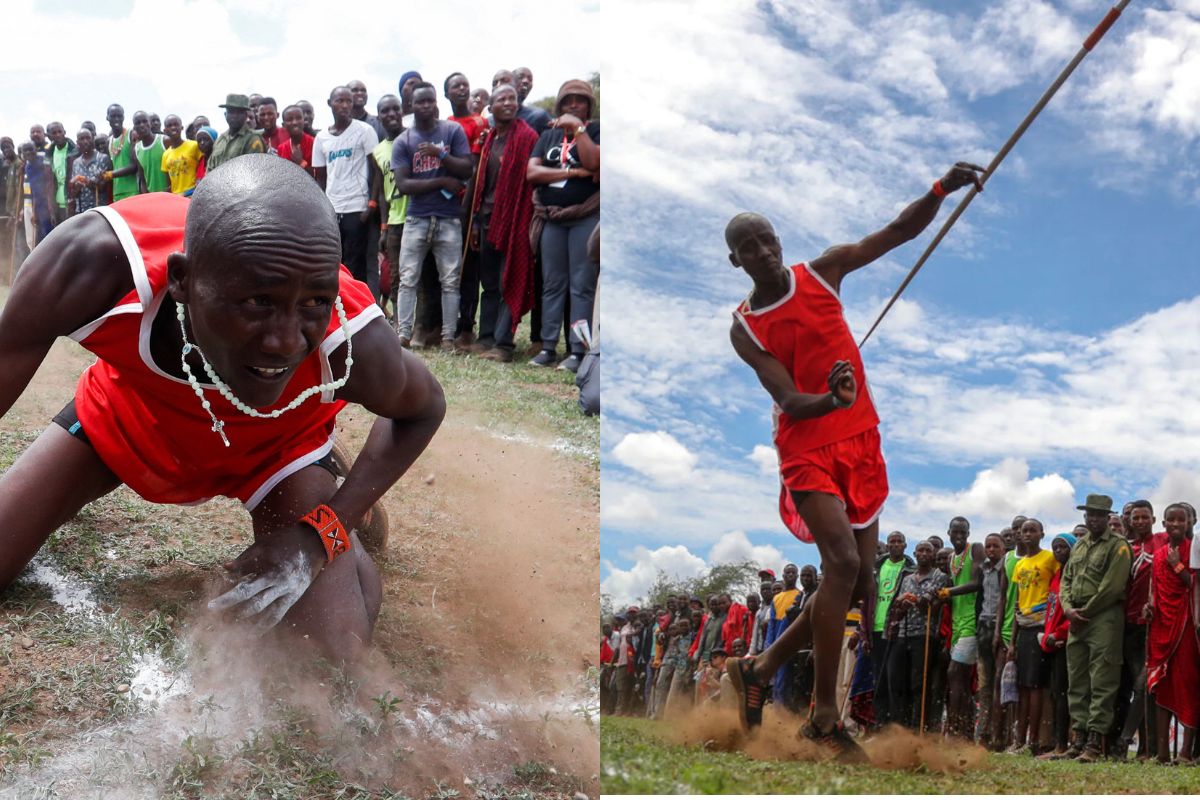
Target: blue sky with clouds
(1049, 348)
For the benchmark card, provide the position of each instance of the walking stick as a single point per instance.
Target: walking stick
(1088, 44)
(925, 665)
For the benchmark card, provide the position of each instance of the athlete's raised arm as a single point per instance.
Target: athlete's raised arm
(842, 259)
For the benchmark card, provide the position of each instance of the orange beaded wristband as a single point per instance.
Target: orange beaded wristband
(938, 190)
(331, 530)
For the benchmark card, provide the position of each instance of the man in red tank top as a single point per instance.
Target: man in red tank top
(227, 338)
(791, 331)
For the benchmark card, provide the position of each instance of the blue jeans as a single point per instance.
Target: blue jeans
(442, 236)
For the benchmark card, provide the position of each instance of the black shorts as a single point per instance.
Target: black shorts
(68, 420)
(1033, 664)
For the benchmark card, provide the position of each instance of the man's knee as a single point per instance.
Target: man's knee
(842, 565)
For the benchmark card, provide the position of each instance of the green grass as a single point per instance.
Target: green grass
(635, 760)
(517, 398)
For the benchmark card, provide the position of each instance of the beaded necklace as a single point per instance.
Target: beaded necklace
(218, 425)
(957, 561)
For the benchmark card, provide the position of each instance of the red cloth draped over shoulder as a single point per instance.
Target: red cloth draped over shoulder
(1172, 655)
(737, 626)
(511, 215)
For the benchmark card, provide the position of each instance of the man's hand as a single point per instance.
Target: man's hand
(962, 174)
(1173, 556)
(943, 594)
(272, 574)
(842, 384)
(1148, 612)
(569, 123)
(430, 149)
(1077, 620)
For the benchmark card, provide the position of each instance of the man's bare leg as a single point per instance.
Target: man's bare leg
(48, 485)
(339, 610)
(847, 558)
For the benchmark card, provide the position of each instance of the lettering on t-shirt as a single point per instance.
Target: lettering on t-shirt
(336, 154)
(423, 163)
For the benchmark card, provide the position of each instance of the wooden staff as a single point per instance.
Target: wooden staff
(925, 666)
(1088, 44)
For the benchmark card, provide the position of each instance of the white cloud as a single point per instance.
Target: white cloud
(767, 459)
(999, 492)
(627, 507)
(735, 547)
(627, 585)
(658, 456)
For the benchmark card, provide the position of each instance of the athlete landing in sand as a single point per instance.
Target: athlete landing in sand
(791, 331)
(228, 338)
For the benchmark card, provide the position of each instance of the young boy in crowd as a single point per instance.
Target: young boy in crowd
(916, 642)
(1032, 580)
(993, 591)
(1172, 656)
(1053, 641)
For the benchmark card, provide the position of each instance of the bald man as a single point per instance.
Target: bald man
(791, 332)
(223, 330)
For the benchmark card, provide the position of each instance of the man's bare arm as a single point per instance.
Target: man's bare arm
(840, 260)
(73, 277)
(388, 381)
(775, 379)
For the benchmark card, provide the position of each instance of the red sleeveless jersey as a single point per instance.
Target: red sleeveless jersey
(806, 331)
(148, 426)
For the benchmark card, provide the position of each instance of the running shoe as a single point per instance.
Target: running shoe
(750, 692)
(845, 749)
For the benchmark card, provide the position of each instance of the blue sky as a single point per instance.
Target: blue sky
(1051, 346)
(184, 56)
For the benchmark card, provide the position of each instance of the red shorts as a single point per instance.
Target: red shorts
(852, 470)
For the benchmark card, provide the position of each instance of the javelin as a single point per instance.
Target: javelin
(1088, 44)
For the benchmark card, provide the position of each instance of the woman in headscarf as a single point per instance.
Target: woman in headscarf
(206, 137)
(565, 168)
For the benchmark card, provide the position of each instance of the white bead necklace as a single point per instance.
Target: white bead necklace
(218, 425)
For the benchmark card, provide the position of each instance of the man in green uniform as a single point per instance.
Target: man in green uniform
(966, 575)
(887, 579)
(240, 139)
(1092, 596)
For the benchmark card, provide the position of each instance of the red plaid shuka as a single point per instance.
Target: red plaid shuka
(509, 228)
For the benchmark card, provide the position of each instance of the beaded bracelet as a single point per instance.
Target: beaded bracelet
(938, 189)
(331, 530)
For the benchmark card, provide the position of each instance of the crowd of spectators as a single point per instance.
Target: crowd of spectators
(1079, 650)
(460, 227)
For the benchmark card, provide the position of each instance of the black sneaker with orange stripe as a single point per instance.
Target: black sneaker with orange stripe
(844, 748)
(751, 694)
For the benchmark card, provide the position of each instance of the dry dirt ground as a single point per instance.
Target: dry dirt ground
(115, 683)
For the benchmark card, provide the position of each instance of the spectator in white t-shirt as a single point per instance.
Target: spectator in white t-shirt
(339, 157)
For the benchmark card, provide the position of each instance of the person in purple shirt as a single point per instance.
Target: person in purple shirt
(431, 162)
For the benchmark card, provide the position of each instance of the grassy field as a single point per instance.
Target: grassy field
(638, 758)
(70, 699)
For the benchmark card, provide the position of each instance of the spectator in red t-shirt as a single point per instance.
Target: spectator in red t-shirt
(1053, 640)
(268, 117)
(296, 145)
(1132, 708)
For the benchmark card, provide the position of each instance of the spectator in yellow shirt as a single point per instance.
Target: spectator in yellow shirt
(180, 157)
